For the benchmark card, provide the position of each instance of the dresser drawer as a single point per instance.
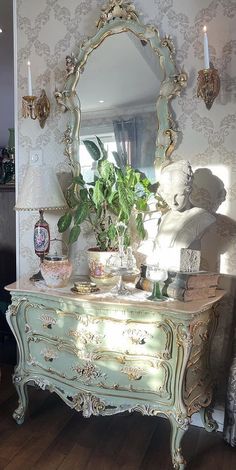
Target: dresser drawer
(111, 371)
(94, 330)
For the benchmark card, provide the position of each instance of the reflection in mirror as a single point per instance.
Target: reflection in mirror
(118, 91)
(123, 73)
(119, 85)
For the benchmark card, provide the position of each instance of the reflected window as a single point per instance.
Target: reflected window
(88, 165)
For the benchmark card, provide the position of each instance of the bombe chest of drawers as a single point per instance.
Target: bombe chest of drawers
(104, 355)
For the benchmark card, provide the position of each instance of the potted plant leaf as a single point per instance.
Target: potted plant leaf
(117, 192)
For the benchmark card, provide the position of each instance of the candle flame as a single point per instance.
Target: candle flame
(205, 29)
(28, 63)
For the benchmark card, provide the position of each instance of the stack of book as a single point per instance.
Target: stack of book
(188, 286)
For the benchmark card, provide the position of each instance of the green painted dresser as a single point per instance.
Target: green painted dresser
(105, 355)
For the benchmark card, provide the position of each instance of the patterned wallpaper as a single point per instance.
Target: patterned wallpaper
(50, 29)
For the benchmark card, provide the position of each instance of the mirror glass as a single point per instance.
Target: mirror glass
(118, 91)
(119, 88)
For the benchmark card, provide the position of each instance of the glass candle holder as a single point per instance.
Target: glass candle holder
(157, 275)
(121, 263)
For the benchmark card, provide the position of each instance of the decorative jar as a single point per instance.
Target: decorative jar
(56, 269)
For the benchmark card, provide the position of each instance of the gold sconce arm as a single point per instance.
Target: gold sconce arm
(208, 85)
(36, 108)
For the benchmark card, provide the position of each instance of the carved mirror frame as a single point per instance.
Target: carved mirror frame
(117, 17)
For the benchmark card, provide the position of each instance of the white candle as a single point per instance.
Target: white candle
(29, 79)
(206, 50)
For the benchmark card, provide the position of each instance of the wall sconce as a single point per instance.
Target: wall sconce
(208, 78)
(33, 107)
(36, 108)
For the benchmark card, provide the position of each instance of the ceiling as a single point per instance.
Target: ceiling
(121, 72)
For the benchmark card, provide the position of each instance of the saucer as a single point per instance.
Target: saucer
(84, 287)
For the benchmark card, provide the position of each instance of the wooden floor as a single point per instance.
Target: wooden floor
(55, 437)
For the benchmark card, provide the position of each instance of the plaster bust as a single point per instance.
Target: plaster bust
(183, 225)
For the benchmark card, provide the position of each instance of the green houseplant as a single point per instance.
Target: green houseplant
(117, 192)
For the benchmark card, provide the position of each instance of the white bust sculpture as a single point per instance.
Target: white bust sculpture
(183, 225)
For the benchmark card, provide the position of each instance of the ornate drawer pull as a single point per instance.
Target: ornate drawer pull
(137, 336)
(88, 371)
(47, 321)
(49, 355)
(28, 328)
(133, 373)
(86, 337)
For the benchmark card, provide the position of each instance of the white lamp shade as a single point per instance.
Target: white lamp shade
(40, 190)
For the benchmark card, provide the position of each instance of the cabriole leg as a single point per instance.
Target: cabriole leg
(208, 422)
(21, 388)
(177, 432)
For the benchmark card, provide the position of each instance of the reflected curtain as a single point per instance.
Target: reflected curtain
(136, 142)
(126, 136)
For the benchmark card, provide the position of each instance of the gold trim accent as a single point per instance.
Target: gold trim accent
(36, 108)
(89, 404)
(117, 9)
(198, 382)
(167, 41)
(15, 305)
(208, 86)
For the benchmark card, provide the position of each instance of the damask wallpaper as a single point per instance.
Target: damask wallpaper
(50, 29)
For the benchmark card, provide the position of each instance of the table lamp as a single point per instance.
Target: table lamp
(40, 191)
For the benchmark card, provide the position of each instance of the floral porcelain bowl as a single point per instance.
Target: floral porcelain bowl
(56, 270)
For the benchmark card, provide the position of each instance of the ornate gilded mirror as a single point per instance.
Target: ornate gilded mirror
(122, 77)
